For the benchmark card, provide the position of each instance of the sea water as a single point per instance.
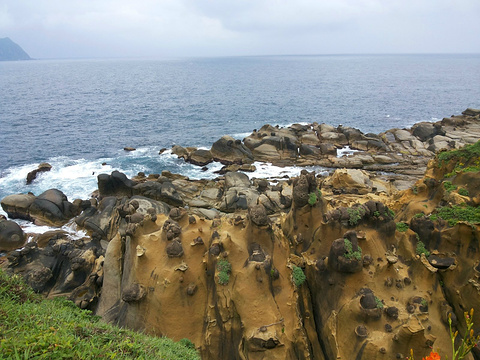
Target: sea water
(78, 115)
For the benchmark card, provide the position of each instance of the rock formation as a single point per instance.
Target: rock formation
(354, 265)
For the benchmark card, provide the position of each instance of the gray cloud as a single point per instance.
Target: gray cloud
(75, 28)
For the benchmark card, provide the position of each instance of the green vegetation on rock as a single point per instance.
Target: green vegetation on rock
(224, 269)
(355, 215)
(379, 303)
(420, 249)
(467, 159)
(312, 199)
(298, 276)
(350, 254)
(402, 227)
(463, 192)
(457, 213)
(449, 187)
(35, 328)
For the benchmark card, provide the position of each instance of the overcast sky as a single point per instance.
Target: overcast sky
(158, 28)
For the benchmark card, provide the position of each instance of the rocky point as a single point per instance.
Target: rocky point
(366, 262)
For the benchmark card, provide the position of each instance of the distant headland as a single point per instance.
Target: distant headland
(10, 51)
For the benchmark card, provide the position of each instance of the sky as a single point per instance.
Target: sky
(178, 28)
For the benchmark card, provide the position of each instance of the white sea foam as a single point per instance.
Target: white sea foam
(345, 151)
(272, 172)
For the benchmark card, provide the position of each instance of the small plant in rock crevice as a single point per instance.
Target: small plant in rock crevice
(224, 269)
(312, 199)
(379, 303)
(298, 276)
(420, 249)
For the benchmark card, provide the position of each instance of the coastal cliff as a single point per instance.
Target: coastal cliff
(359, 263)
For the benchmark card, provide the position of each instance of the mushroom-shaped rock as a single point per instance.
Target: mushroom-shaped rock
(175, 249)
(11, 235)
(177, 213)
(171, 229)
(441, 263)
(258, 215)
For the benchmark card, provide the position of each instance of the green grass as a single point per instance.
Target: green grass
(457, 213)
(35, 328)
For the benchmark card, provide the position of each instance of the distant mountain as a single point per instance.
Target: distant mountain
(11, 51)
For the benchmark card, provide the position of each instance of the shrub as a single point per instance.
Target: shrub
(379, 303)
(402, 227)
(350, 254)
(298, 276)
(418, 215)
(415, 190)
(355, 215)
(421, 249)
(312, 199)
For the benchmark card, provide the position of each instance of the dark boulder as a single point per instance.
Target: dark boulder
(52, 208)
(200, 157)
(175, 249)
(116, 184)
(228, 151)
(11, 235)
(32, 175)
(258, 215)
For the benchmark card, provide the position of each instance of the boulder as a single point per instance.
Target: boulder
(426, 130)
(17, 206)
(258, 215)
(52, 208)
(200, 157)
(228, 151)
(11, 235)
(116, 184)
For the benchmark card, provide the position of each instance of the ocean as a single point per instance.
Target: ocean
(80, 114)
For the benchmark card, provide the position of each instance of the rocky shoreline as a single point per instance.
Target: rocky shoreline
(157, 246)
